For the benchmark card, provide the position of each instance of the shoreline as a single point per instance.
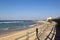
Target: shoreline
(4, 33)
(8, 32)
(22, 34)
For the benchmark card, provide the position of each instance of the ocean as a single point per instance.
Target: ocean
(15, 24)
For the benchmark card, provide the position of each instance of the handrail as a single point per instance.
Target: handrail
(35, 32)
(40, 33)
(24, 35)
(53, 29)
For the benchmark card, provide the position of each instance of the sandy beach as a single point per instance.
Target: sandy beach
(28, 33)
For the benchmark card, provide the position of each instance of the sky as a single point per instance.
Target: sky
(29, 9)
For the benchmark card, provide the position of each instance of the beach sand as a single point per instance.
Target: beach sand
(25, 34)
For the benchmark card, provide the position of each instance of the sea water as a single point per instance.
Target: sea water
(15, 24)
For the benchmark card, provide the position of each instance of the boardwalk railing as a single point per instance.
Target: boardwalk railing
(34, 35)
(27, 36)
(52, 34)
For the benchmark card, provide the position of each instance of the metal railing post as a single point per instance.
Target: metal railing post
(37, 34)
